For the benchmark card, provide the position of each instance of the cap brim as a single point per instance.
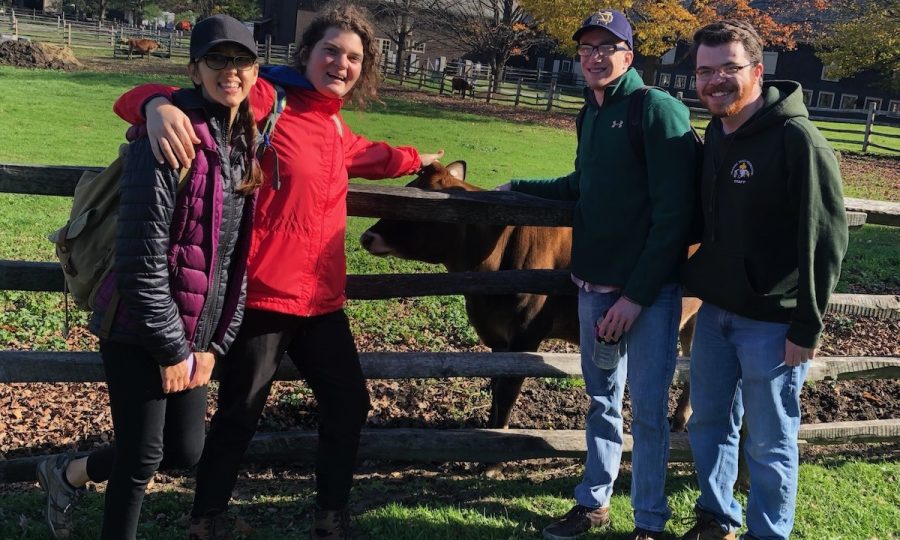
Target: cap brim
(584, 29)
(216, 42)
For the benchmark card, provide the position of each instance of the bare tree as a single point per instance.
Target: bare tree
(496, 30)
(401, 21)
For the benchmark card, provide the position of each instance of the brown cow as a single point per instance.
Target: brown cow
(143, 46)
(462, 86)
(515, 322)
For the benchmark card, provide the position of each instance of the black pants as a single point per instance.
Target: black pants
(152, 429)
(323, 350)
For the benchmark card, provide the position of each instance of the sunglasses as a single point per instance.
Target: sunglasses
(219, 61)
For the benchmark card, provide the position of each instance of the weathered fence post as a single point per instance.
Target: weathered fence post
(69, 34)
(15, 26)
(518, 93)
(870, 120)
(443, 78)
(170, 45)
(268, 55)
(290, 52)
(490, 86)
(550, 94)
(421, 78)
(679, 96)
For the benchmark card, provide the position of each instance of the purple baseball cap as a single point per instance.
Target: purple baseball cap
(610, 20)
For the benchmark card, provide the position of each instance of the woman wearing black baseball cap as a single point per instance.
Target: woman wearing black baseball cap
(180, 263)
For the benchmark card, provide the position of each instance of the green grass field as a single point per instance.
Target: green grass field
(56, 118)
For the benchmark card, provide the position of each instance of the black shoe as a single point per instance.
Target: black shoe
(576, 522)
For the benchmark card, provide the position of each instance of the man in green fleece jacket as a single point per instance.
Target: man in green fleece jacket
(775, 232)
(629, 238)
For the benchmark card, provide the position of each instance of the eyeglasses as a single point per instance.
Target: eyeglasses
(218, 61)
(606, 49)
(726, 71)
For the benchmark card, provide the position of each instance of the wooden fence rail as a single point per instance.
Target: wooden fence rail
(426, 445)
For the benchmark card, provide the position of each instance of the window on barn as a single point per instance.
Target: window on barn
(807, 97)
(894, 106)
(827, 76)
(848, 101)
(680, 80)
(693, 83)
(540, 63)
(665, 79)
(384, 45)
(567, 66)
(826, 100)
(876, 101)
(415, 46)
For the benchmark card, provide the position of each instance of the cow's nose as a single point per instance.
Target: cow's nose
(366, 239)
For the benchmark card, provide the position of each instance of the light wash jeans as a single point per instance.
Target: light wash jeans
(737, 370)
(648, 366)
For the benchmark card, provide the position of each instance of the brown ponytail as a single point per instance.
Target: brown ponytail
(245, 127)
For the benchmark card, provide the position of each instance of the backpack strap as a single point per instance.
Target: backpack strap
(264, 138)
(636, 123)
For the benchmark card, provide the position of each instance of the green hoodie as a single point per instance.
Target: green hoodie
(775, 229)
(631, 219)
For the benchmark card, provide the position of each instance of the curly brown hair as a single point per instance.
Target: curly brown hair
(352, 19)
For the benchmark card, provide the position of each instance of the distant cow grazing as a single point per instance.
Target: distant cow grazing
(462, 86)
(142, 46)
(505, 323)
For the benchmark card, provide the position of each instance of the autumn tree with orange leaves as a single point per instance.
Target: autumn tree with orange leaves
(659, 25)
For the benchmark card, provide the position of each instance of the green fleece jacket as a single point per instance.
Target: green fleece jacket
(775, 229)
(631, 219)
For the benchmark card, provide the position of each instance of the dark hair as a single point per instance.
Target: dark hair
(244, 127)
(352, 19)
(728, 31)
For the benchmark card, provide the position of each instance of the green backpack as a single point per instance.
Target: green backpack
(85, 244)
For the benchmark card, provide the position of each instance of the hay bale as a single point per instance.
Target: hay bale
(35, 54)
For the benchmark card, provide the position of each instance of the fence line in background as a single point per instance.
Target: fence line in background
(529, 89)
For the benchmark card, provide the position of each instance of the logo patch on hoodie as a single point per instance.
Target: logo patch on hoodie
(742, 171)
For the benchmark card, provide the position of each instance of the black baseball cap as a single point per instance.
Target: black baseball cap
(610, 20)
(219, 29)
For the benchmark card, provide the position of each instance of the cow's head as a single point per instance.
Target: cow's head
(422, 241)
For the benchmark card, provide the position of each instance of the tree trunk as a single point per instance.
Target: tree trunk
(650, 69)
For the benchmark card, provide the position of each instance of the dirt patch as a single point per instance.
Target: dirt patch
(35, 54)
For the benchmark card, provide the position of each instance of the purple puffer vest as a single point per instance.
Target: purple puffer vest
(193, 241)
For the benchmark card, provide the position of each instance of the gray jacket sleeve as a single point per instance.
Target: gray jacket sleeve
(148, 193)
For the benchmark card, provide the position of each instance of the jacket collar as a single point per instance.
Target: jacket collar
(617, 90)
(192, 100)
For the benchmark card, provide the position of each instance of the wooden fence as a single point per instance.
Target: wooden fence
(542, 91)
(538, 90)
(424, 444)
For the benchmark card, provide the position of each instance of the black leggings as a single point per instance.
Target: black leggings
(323, 350)
(152, 430)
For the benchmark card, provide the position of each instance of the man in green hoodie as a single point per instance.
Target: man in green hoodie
(629, 237)
(774, 235)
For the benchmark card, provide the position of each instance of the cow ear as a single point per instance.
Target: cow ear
(457, 169)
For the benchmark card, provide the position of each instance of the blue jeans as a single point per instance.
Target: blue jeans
(737, 367)
(651, 352)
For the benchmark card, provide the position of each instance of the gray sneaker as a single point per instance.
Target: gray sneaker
(61, 497)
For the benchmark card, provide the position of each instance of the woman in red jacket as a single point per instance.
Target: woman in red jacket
(297, 268)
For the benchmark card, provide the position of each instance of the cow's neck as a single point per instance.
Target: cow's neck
(481, 248)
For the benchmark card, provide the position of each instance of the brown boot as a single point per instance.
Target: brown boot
(707, 528)
(576, 522)
(334, 525)
(210, 527)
